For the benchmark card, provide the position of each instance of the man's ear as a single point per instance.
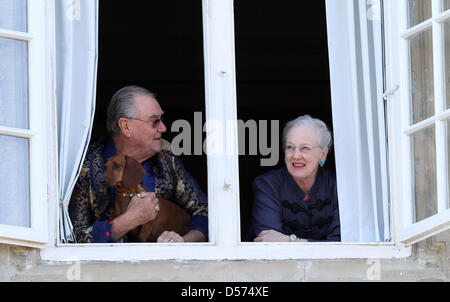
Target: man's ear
(133, 174)
(123, 125)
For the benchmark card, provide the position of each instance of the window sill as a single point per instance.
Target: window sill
(208, 251)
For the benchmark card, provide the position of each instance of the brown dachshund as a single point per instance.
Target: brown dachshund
(126, 174)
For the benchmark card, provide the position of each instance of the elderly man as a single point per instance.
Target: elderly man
(135, 126)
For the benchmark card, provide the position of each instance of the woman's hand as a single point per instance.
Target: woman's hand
(271, 236)
(274, 236)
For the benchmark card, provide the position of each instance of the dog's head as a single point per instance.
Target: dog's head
(125, 170)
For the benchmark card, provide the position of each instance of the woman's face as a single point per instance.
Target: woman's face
(303, 153)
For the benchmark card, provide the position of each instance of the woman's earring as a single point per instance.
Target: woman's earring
(322, 162)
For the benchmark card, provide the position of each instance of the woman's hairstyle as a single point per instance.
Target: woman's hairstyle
(122, 105)
(307, 120)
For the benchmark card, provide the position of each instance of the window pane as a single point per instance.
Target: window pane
(14, 183)
(447, 59)
(422, 78)
(446, 4)
(448, 163)
(419, 11)
(13, 83)
(13, 14)
(424, 166)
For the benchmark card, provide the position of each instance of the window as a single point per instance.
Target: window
(281, 73)
(420, 116)
(23, 185)
(223, 166)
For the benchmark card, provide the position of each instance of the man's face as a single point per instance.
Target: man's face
(147, 127)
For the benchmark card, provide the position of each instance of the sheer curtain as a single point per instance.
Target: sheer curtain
(356, 72)
(76, 75)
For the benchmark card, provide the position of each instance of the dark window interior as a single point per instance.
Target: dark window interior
(282, 73)
(281, 67)
(157, 45)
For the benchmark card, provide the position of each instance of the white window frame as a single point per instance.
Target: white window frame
(223, 183)
(223, 172)
(400, 127)
(36, 234)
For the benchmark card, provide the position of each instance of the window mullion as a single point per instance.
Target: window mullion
(221, 133)
(16, 35)
(405, 211)
(22, 133)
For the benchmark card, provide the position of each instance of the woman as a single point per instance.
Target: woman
(298, 203)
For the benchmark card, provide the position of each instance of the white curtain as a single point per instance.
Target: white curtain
(356, 71)
(76, 75)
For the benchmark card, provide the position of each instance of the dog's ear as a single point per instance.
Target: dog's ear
(109, 176)
(133, 174)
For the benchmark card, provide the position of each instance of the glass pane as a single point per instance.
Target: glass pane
(446, 4)
(13, 15)
(424, 167)
(13, 83)
(447, 60)
(14, 182)
(419, 11)
(448, 163)
(422, 78)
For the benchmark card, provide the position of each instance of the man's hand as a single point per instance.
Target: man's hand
(140, 210)
(169, 236)
(191, 236)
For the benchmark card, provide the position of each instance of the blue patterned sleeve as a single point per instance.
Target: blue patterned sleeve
(80, 210)
(102, 232)
(88, 228)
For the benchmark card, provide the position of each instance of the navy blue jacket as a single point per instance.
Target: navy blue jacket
(278, 205)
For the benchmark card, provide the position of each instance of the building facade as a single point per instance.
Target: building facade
(388, 100)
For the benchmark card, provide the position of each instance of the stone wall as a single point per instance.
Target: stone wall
(429, 262)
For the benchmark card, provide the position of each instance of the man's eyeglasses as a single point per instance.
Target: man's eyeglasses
(156, 123)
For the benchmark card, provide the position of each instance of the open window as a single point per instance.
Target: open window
(356, 76)
(281, 73)
(420, 116)
(23, 186)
